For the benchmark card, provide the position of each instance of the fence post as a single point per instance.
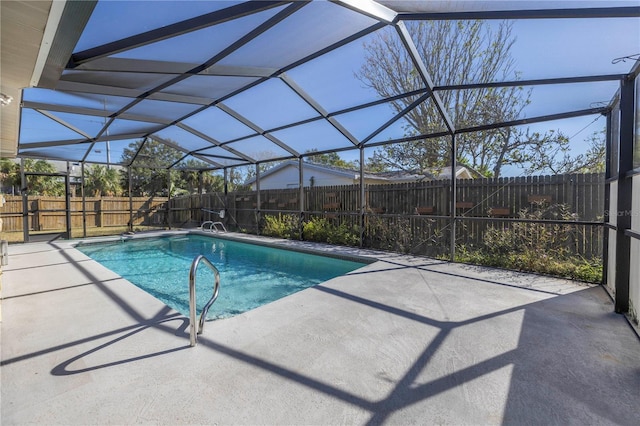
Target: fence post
(99, 214)
(38, 215)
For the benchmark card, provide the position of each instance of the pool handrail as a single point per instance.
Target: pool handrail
(193, 338)
(212, 226)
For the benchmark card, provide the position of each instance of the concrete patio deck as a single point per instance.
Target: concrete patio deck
(404, 340)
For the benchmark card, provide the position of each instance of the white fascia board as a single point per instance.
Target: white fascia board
(53, 21)
(372, 9)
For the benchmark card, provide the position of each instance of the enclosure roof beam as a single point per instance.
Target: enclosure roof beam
(397, 117)
(224, 157)
(257, 129)
(550, 81)
(373, 28)
(534, 82)
(177, 148)
(205, 160)
(146, 66)
(516, 83)
(378, 102)
(494, 126)
(319, 109)
(63, 123)
(265, 26)
(538, 119)
(87, 152)
(410, 139)
(65, 108)
(135, 156)
(135, 66)
(53, 144)
(602, 12)
(214, 142)
(635, 70)
(100, 89)
(49, 144)
(424, 73)
(173, 30)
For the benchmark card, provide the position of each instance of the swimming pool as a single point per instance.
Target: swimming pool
(250, 275)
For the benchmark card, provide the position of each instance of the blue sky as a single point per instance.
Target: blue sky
(554, 48)
(543, 49)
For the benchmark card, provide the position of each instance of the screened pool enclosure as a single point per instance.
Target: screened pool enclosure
(227, 90)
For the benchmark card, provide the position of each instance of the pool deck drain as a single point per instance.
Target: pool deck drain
(403, 340)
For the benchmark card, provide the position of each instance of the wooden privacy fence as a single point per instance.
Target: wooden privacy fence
(577, 197)
(49, 213)
(582, 196)
(426, 206)
(423, 208)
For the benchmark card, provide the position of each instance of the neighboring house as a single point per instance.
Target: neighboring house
(287, 175)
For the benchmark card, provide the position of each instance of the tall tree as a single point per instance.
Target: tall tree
(10, 175)
(455, 52)
(189, 179)
(331, 159)
(36, 185)
(100, 180)
(560, 161)
(151, 160)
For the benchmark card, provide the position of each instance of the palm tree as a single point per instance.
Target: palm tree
(10, 174)
(100, 180)
(36, 184)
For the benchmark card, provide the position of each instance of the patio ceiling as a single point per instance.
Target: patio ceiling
(235, 83)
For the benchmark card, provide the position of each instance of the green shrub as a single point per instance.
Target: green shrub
(321, 230)
(344, 234)
(316, 229)
(535, 247)
(281, 226)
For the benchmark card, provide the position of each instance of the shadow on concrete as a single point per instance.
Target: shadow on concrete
(64, 369)
(575, 362)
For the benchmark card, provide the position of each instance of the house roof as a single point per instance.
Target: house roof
(391, 176)
(336, 171)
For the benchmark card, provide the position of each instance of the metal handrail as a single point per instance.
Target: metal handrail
(212, 226)
(193, 338)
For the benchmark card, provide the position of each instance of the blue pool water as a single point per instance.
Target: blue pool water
(250, 275)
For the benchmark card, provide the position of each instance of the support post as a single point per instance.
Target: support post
(25, 202)
(607, 199)
(258, 199)
(225, 186)
(625, 165)
(84, 202)
(363, 196)
(452, 212)
(301, 197)
(169, 198)
(130, 201)
(225, 191)
(67, 199)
